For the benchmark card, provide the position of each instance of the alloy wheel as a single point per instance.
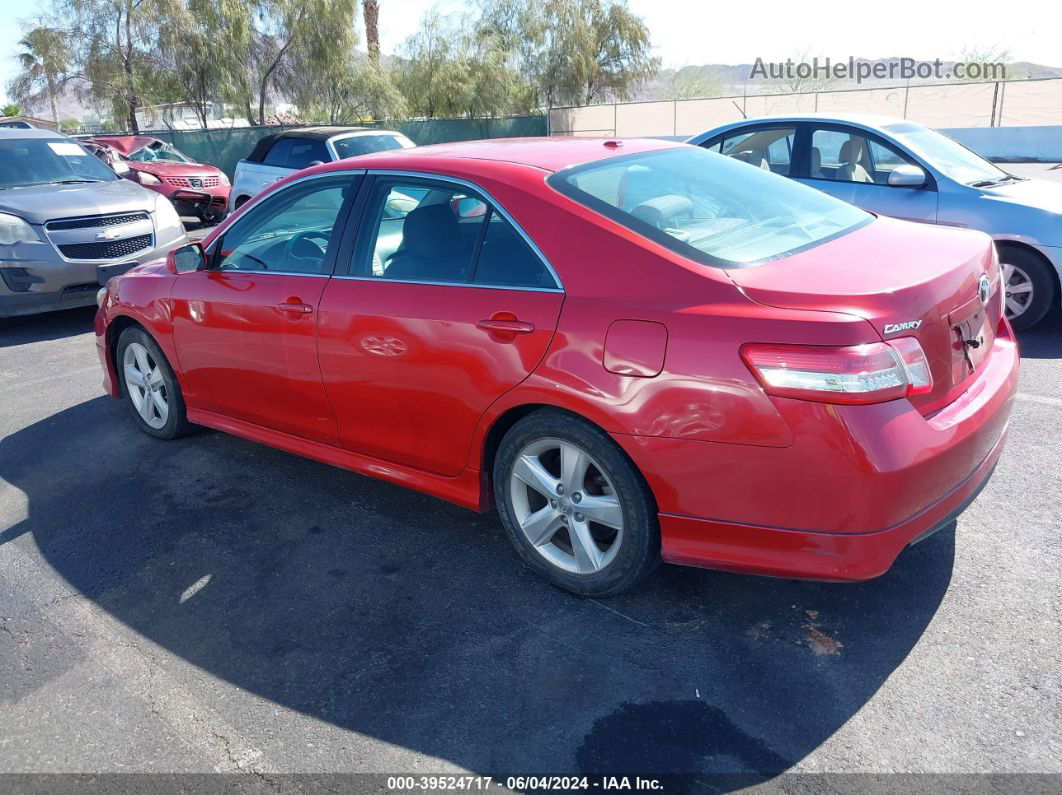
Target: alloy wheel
(1017, 290)
(145, 385)
(566, 506)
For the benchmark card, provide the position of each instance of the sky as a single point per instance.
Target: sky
(690, 32)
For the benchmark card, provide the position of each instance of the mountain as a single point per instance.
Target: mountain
(689, 82)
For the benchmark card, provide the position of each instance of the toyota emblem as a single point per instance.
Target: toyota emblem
(984, 289)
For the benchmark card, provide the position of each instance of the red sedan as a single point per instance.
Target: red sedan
(635, 350)
(194, 188)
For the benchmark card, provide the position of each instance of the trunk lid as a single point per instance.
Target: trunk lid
(905, 279)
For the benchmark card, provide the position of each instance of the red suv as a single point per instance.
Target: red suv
(635, 350)
(194, 188)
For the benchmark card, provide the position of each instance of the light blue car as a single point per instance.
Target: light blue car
(899, 168)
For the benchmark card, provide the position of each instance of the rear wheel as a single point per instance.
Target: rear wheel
(150, 386)
(574, 505)
(1028, 288)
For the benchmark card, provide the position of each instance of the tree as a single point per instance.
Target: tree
(690, 82)
(571, 51)
(11, 109)
(116, 44)
(371, 12)
(314, 34)
(44, 61)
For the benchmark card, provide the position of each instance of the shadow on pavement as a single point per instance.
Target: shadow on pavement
(46, 326)
(400, 617)
(1044, 340)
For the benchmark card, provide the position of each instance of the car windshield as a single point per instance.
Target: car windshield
(46, 161)
(364, 144)
(159, 152)
(707, 207)
(952, 158)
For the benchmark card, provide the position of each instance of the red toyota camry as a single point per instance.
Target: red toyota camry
(635, 350)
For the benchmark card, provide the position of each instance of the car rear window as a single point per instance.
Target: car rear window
(710, 208)
(364, 144)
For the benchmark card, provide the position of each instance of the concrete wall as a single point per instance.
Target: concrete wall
(1012, 143)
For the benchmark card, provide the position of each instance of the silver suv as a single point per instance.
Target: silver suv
(68, 223)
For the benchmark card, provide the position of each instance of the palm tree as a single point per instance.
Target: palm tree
(371, 11)
(44, 60)
(11, 109)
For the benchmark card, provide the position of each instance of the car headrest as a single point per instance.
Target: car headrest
(430, 229)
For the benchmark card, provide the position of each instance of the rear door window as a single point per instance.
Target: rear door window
(769, 148)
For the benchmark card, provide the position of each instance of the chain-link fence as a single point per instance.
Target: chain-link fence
(963, 105)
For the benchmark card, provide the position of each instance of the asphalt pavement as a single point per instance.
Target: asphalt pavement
(210, 604)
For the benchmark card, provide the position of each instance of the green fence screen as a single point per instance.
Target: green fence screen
(224, 148)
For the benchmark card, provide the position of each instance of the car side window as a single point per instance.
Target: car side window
(506, 260)
(883, 159)
(416, 230)
(848, 156)
(419, 231)
(769, 148)
(278, 153)
(305, 151)
(289, 231)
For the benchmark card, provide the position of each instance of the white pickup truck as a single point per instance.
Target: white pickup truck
(276, 156)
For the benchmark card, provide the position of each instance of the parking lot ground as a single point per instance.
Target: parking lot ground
(214, 605)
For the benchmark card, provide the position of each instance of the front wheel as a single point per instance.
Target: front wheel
(1028, 288)
(150, 386)
(575, 507)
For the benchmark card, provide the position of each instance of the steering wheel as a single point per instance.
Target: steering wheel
(309, 249)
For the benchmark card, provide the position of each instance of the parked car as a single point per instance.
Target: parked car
(195, 189)
(108, 155)
(277, 156)
(635, 349)
(903, 169)
(68, 223)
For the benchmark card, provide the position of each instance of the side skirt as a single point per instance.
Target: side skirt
(465, 489)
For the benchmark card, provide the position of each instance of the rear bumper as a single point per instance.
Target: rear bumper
(837, 557)
(857, 485)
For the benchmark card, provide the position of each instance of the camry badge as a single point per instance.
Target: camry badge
(984, 288)
(910, 325)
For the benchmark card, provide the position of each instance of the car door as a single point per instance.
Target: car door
(245, 328)
(441, 307)
(854, 165)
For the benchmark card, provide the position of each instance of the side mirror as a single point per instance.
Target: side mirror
(313, 163)
(907, 177)
(186, 259)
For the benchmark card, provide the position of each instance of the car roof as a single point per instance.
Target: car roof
(320, 133)
(126, 144)
(547, 154)
(30, 132)
(873, 121)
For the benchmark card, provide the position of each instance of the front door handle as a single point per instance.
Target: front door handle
(295, 306)
(499, 325)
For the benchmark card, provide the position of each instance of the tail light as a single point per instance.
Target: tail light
(859, 374)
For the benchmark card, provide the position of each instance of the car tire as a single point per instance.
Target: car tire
(1028, 272)
(149, 386)
(552, 515)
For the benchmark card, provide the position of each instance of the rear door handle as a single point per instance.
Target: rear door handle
(505, 326)
(295, 307)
